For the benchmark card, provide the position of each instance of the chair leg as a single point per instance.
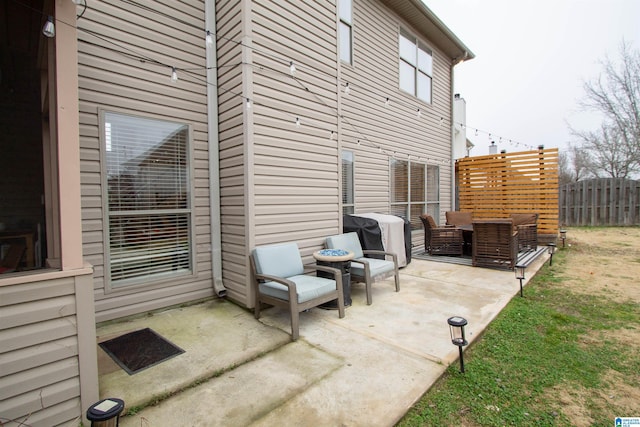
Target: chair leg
(295, 320)
(256, 310)
(367, 283)
(340, 305)
(397, 277)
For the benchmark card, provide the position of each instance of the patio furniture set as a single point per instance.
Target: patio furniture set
(281, 280)
(493, 243)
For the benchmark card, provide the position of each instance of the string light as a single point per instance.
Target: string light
(49, 28)
(209, 39)
(331, 136)
(292, 70)
(347, 89)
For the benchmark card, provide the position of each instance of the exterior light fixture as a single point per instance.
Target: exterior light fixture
(563, 235)
(551, 248)
(49, 28)
(456, 330)
(519, 270)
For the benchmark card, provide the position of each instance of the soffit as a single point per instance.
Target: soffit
(418, 15)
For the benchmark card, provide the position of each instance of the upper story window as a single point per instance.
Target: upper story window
(345, 36)
(148, 190)
(348, 187)
(416, 67)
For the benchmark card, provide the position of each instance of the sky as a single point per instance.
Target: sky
(532, 59)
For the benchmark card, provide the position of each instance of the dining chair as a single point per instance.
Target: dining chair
(441, 240)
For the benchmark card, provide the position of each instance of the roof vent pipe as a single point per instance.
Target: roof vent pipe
(493, 148)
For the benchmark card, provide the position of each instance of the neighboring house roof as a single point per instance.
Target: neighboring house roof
(416, 13)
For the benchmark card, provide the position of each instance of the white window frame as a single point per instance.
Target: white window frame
(415, 72)
(186, 213)
(403, 204)
(348, 183)
(345, 30)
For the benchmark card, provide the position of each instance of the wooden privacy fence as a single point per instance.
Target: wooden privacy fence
(600, 201)
(497, 185)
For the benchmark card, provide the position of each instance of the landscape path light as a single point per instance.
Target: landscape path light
(563, 235)
(456, 329)
(520, 275)
(551, 248)
(105, 413)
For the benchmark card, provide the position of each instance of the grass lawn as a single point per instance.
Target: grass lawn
(555, 357)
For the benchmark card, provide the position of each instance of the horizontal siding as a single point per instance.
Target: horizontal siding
(231, 123)
(40, 384)
(294, 172)
(395, 128)
(112, 76)
(295, 169)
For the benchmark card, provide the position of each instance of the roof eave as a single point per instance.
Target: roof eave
(416, 13)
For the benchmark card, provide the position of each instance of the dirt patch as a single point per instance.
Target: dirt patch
(603, 262)
(617, 398)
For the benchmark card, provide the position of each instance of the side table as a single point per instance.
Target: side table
(340, 259)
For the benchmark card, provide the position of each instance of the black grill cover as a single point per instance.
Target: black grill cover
(368, 232)
(407, 238)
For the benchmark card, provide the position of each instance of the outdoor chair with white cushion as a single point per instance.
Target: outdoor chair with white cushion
(281, 282)
(363, 268)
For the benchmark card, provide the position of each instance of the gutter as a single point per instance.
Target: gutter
(214, 158)
(424, 9)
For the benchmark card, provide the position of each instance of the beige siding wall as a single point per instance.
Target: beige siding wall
(290, 190)
(295, 169)
(232, 135)
(394, 128)
(278, 182)
(39, 357)
(113, 36)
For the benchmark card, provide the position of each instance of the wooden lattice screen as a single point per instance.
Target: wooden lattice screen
(496, 185)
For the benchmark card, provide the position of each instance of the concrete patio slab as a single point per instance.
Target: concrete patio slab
(366, 369)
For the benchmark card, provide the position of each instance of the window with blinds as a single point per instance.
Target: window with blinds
(414, 190)
(147, 185)
(348, 188)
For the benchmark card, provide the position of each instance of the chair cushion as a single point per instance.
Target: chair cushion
(281, 260)
(376, 266)
(308, 288)
(458, 217)
(524, 219)
(346, 241)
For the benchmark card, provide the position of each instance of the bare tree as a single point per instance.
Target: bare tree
(609, 155)
(614, 149)
(573, 165)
